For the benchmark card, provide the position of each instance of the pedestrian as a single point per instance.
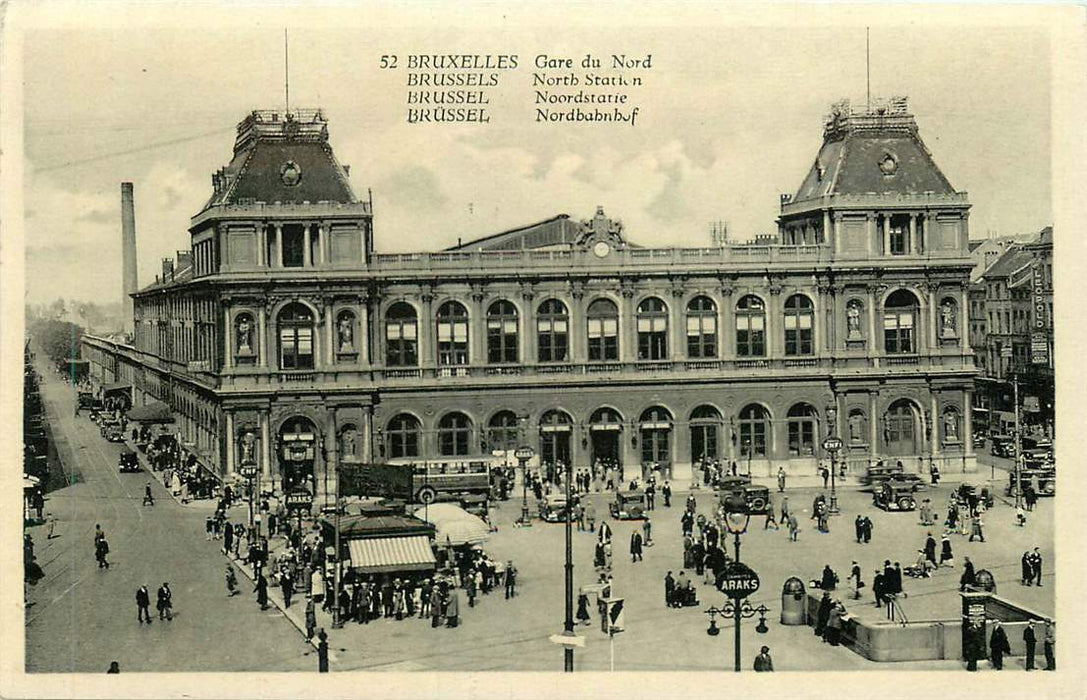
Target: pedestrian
(114, 667)
(866, 529)
(511, 573)
(286, 584)
(101, 549)
(231, 582)
(998, 646)
(143, 605)
(968, 578)
(770, 521)
(452, 608)
(1020, 516)
(148, 497)
(781, 479)
(833, 631)
(650, 494)
(930, 550)
(165, 602)
(763, 662)
(825, 473)
(879, 588)
(1030, 639)
(829, 579)
(261, 590)
(604, 535)
(1049, 646)
(1026, 569)
(977, 530)
(823, 615)
(946, 557)
(794, 528)
(470, 589)
(582, 609)
(51, 525)
(311, 618)
(635, 546)
(857, 584)
(647, 532)
(666, 493)
(1036, 567)
(208, 527)
(784, 510)
(858, 527)
(435, 606)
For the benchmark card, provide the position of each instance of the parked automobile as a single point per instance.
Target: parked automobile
(128, 461)
(979, 440)
(628, 505)
(1002, 446)
(876, 474)
(727, 484)
(894, 495)
(910, 482)
(1042, 480)
(553, 508)
(757, 498)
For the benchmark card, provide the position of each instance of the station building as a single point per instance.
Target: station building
(283, 339)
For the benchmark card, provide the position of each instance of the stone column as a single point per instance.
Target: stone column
(775, 346)
(933, 319)
(875, 347)
(726, 331)
(323, 232)
(262, 336)
(364, 333)
(428, 349)
(477, 329)
(628, 331)
(228, 336)
(221, 236)
(963, 319)
(826, 226)
(230, 437)
(332, 457)
(677, 351)
(577, 328)
(265, 447)
(367, 437)
(926, 240)
(968, 422)
(307, 254)
(934, 420)
(871, 237)
(873, 424)
(277, 249)
(330, 323)
(915, 245)
(526, 346)
(258, 245)
(885, 232)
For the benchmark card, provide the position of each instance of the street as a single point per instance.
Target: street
(81, 618)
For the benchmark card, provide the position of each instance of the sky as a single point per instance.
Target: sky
(730, 118)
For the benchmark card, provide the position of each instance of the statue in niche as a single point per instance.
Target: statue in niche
(245, 334)
(853, 320)
(348, 443)
(951, 426)
(947, 319)
(856, 427)
(248, 441)
(346, 332)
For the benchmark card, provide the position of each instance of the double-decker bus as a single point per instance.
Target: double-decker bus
(426, 480)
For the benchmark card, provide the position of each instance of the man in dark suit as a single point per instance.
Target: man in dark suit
(143, 604)
(998, 646)
(1030, 640)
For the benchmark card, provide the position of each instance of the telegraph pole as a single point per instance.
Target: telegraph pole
(1018, 445)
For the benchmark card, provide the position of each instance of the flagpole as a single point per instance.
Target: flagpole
(611, 646)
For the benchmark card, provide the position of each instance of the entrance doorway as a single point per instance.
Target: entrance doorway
(605, 426)
(297, 454)
(555, 429)
(900, 430)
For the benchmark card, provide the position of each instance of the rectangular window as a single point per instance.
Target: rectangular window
(452, 344)
(603, 339)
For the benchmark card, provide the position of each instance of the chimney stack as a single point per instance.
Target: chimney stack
(167, 269)
(128, 255)
(184, 259)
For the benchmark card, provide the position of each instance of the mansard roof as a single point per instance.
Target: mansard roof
(875, 150)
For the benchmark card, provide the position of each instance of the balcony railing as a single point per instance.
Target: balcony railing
(297, 375)
(902, 360)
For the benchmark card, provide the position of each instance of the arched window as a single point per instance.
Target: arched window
(503, 431)
(802, 419)
(701, 328)
(552, 331)
(401, 336)
(750, 327)
(452, 334)
(754, 427)
(899, 322)
(402, 436)
(798, 325)
(656, 433)
(705, 426)
(603, 325)
(454, 435)
(295, 324)
(652, 329)
(502, 332)
(949, 318)
(345, 333)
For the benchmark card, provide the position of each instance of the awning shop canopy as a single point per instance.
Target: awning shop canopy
(116, 386)
(454, 525)
(154, 412)
(382, 554)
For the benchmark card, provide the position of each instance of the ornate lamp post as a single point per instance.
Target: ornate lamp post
(737, 517)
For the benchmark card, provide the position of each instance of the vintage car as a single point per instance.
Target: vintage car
(757, 498)
(892, 495)
(910, 482)
(128, 461)
(878, 473)
(86, 399)
(553, 508)
(1042, 480)
(1002, 446)
(727, 484)
(628, 505)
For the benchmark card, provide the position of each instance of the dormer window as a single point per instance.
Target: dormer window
(888, 165)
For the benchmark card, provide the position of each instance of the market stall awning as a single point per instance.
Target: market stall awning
(116, 386)
(381, 554)
(154, 412)
(454, 525)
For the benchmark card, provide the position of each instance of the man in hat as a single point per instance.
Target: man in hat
(165, 602)
(1036, 567)
(998, 646)
(511, 577)
(143, 605)
(763, 662)
(635, 546)
(1030, 639)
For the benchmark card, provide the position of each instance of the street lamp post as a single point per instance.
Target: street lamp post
(737, 517)
(568, 624)
(832, 445)
(523, 455)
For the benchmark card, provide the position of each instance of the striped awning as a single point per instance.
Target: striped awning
(380, 554)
